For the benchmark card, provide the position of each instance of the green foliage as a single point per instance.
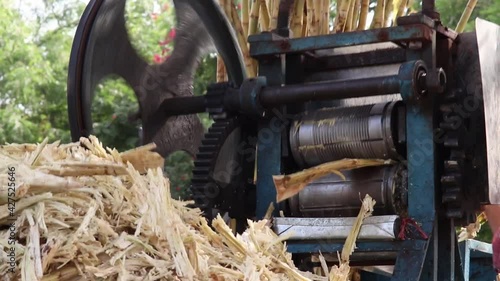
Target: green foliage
(178, 168)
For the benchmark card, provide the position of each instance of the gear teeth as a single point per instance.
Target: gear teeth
(452, 165)
(456, 160)
(451, 180)
(206, 193)
(454, 213)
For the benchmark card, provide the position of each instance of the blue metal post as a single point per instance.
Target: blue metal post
(269, 138)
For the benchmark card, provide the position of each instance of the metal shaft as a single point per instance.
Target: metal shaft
(332, 90)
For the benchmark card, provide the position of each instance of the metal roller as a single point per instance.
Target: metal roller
(368, 131)
(332, 196)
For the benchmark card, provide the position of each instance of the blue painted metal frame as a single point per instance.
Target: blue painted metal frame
(435, 257)
(280, 45)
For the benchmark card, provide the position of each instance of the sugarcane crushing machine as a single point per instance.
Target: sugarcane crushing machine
(418, 93)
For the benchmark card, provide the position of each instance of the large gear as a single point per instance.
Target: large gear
(206, 190)
(464, 170)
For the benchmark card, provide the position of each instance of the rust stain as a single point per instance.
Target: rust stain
(383, 35)
(283, 45)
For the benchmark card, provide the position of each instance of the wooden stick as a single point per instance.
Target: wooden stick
(289, 185)
(465, 16)
(363, 15)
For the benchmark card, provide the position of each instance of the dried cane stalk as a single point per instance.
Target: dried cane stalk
(274, 14)
(401, 7)
(245, 14)
(350, 15)
(264, 18)
(297, 20)
(465, 16)
(311, 18)
(355, 18)
(289, 185)
(221, 70)
(242, 41)
(389, 6)
(342, 15)
(326, 16)
(378, 18)
(254, 17)
(363, 15)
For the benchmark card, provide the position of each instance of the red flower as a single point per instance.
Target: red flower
(238, 7)
(157, 58)
(171, 34)
(154, 16)
(178, 188)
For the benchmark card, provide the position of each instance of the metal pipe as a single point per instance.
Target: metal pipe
(332, 90)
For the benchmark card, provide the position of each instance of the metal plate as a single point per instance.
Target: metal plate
(373, 228)
(488, 39)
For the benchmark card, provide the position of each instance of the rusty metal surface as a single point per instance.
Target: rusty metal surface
(416, 32)
(488, 39)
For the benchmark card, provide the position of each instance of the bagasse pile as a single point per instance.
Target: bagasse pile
(85, 212)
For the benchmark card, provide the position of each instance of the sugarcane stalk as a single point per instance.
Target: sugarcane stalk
(378, 18)
(318, 17)
(326, 16)
(289, 185)
(274, 14)
(245, 16)
(242, 41)
(304, 23)
(355, 16)
(254, 17)
(297, 20)
(389, 6)
(401, 6)
(410, 6)
(363, 14)
(350, 13)
(465, 16)
(342, 15)
(221, 70)
(310, 17)
(227, 6)
(264, 16)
